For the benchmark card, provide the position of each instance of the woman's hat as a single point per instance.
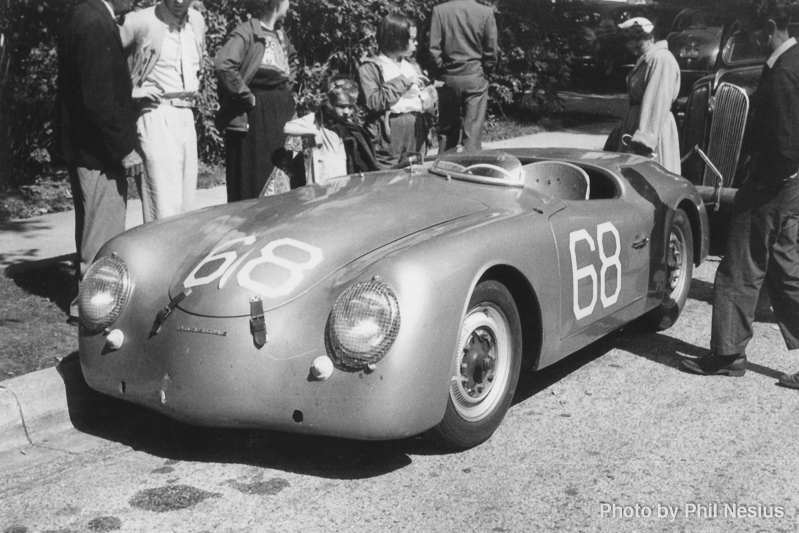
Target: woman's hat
(641, 22)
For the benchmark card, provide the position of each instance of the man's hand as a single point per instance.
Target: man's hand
(151, 92)
(133, 164)
(638, 148)
(642, 149)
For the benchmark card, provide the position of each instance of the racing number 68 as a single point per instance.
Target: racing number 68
(230, 261)
(589, 271)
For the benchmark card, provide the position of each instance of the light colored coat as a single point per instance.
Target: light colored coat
(652, 87)
(328, 157)
(143, 33)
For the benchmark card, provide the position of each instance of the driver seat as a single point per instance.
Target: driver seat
(557, 179)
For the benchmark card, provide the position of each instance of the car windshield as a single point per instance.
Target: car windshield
(492, 167)
(750, 46)
(745, 47)
(697, 18)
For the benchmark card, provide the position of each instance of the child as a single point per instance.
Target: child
(340, 146)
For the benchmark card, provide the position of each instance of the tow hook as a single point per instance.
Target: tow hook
(257, 322)
(164, 313)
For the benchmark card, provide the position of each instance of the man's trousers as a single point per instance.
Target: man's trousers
(761, 248)
(168, 145)
(100, 200)
(462, 102)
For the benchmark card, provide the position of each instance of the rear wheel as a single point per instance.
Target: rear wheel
(485, 369)
(679, 273)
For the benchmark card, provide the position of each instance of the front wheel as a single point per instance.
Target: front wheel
(679, 273)
(485, 369)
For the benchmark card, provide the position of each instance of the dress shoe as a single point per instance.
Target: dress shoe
(74, 316)
(717, 365)
(790, 380)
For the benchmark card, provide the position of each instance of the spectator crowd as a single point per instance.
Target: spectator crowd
(127, 83)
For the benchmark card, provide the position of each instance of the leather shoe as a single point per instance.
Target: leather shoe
(790, 380)
(74, 316)
(717, 365)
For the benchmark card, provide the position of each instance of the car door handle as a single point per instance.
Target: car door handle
(637, 245)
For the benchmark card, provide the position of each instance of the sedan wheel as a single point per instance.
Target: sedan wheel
(485, 369)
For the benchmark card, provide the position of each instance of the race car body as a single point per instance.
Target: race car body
(387, 304)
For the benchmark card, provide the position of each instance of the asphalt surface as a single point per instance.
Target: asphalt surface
(614, 438)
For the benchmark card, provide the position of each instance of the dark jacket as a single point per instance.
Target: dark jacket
(96, 118)
(775, 133)
(377, 96)
(236, 65)
(463, 38)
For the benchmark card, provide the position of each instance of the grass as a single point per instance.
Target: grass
(34, 306)
(34, 301)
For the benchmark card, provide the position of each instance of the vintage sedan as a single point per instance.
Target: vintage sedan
(695, 39)
(389, 304)
(715, 154)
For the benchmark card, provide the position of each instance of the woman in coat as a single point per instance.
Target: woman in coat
(255, 69)
(649, 127)
(394, 93)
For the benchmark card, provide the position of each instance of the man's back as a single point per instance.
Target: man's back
(463, 37)
(775, 131)
(96, 115)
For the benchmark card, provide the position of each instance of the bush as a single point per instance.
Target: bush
(329, 35)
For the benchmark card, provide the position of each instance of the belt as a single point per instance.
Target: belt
(177, 102)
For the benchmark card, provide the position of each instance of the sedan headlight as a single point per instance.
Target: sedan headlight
(103, 293)
(363, 325)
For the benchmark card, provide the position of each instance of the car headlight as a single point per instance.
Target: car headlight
(363, 325)
(103, 293)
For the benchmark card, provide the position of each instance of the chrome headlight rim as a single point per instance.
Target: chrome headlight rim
(345, 358)
(121, 292)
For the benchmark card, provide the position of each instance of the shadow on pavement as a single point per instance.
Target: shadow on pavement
(22, 225)
(669, 351)
(532, 383)
(52, 278)
(148, 431)
(19, 229)
(585, 123)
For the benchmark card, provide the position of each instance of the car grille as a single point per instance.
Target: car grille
(695, 130)
(726, 132)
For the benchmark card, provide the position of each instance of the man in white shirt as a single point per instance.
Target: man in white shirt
(165, 45)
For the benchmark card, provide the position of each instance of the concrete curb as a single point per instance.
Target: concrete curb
(34, 406)
(37, 406)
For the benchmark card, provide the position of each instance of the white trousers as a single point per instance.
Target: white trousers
(168, 146)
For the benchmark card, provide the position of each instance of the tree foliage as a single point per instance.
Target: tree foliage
(329, 35)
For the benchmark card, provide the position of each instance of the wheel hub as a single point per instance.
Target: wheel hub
(674, 262)
(478, 364)
(481, 370)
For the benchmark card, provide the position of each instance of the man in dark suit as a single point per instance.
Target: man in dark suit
(762, 242)
(96, 122)
(463, 46)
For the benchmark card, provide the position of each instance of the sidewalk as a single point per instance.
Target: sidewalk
(37, 406)
(25, 242)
